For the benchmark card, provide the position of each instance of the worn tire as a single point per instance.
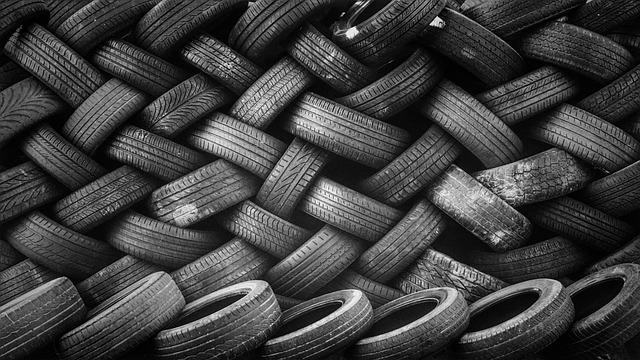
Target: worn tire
(617, 193)
(21, 278)
(377, 293)
(601, 16)
(16, 12)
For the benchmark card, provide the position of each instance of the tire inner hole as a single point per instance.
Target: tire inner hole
(307, 318)
(593, 297)
(208, 310)
(402, 317)
(502, 311)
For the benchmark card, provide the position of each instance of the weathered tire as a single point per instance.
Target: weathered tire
(377, 293)
(617, 193)
(630, 253)
(21, 278)
(601, 16)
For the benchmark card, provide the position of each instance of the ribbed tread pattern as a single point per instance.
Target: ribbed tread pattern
(630, 253)
(601, 15)
(21, 278)
(377, 293)
(8, 255)
(16, 12)
(60, 10)
(617, 193)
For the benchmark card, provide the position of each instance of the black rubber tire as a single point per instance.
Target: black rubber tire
(328, 62)
(607, 312)
(403, 244)
(345, 132)
(182, 106)
(222, 63)
(585, 52)
(266, 23)
(271, 93)
(101, 114)
(314, 264)
(113, 278)
(136, 313)
(412, 170)
(320, 327)
(60, 10)
(518, 330)
(478, 210)
(506, 18)
(21, 278)
(11, 73)
(577, 221)
(202, 193)
(26, 187)
(232, 263)
(60, 159)
(287, 303)
(24, 104)
(262, 229)
(616, 101)
(530, 95)
(54, 63)
(553, 258)
(349, 210)
(153, 154)
(493, 61)
(171, 22)
(227, 324)
(472, 124)
(60, 249)
(160, 243)
(377, 293)
(291, 177)
(434, 269)
(8, 255)
(398, 89)
(239, 143)
(137, 67)
(17, 12)
(99, 201)
(585, 136)
(543, 176)
(601, 16)
(630, 253)
(384, 33)
(100, 20)
(617, 193)
(627, 36)
(401, 327)
(39, 317)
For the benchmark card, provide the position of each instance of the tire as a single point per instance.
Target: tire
(291, 177)
(581, 223)
(478, 210)
(11, 73)
(264, 230)
(629, 253)
(585, 136)
(222, 63)
(38, 317)
(25, 104)
(137, 67)
(439, 316)
(171, 22)
(246, 315)
(202, 193)
(434, 269)
(287, 303)
(601, 16)
(60, 159)
(99, 21)
(54, 63)
(244, 145)
(348, 210)
(616, 101)
(345, 132)
(494, 61)
(266, 23)
(616, 194)
(320, 327)
(398, 89)
(60, 249)
(377, 293)
(182, 106)
(411, 171)
(271, 93)
(573, 48)
(140, 311)
(384, 33)
(22, 278)
(328, 62)
(472, 124)
(552, 258)
(232, 263)
(518, 320)
(543, 176)
(159, 243)
(607, 312)
(314, 264)
(506, 18)
(101, 200)
(627, 36)
(61, 10)
(113, 278)
(16, 12)
(530, 95)
(101, 114)
(403, 244)
(153, 154)
(25, 187)
(8, 256)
